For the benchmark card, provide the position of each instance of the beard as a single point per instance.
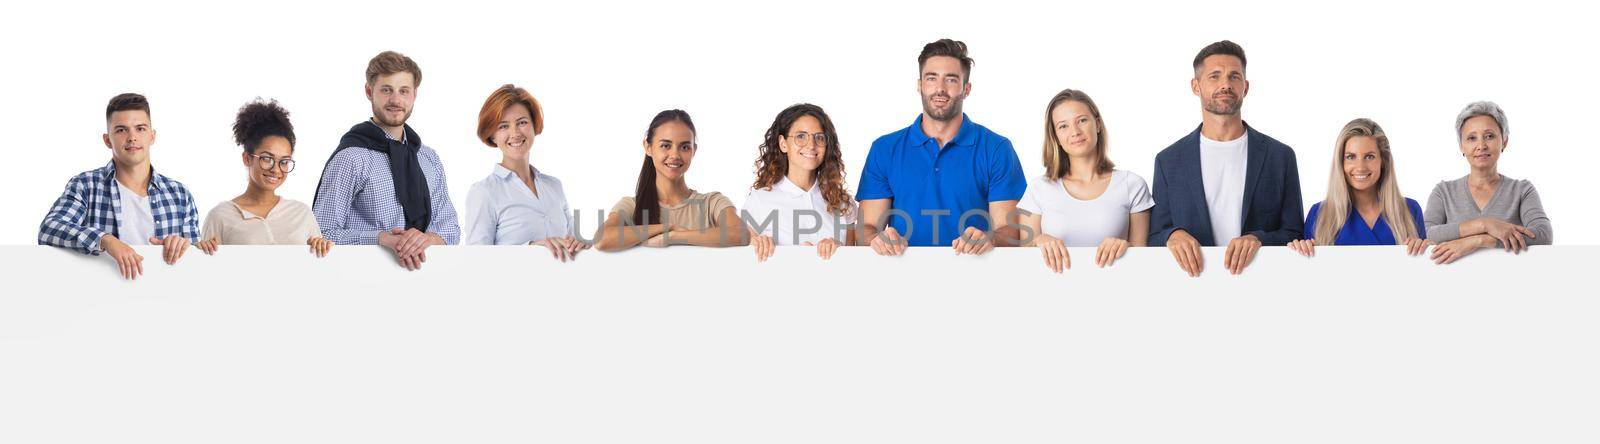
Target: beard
(1216, 106)
(945, 115)
(382, 117)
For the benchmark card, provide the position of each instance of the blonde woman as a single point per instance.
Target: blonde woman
(1081, 201)
(1364, 205)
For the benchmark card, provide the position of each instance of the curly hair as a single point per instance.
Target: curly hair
(259, 120)
(772, 165)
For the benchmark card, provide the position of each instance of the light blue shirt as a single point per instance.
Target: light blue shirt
(501, 210)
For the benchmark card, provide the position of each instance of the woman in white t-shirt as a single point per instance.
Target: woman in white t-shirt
(1081, 201)
(799, 196)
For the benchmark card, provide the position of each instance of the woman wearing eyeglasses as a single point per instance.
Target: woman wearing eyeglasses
(799, 196)
(260, 216)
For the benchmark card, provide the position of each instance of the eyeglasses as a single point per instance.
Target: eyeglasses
(266, 162)
(805, 140)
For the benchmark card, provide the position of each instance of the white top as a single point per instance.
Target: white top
(793, 216)
(501, 210)
(290, 222)
(135, 223)
(1222, 169)
(1085, 223)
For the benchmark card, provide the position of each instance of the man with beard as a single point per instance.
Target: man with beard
(382, 185)
(1225, 183)
(944, 180)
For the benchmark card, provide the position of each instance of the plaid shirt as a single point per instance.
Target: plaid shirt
(89, 207)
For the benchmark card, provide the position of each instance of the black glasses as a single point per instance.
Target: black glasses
(805, 140)
(267, 161)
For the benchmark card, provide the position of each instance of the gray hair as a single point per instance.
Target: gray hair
(1482, 108)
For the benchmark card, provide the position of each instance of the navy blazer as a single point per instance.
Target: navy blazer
(1271, 198)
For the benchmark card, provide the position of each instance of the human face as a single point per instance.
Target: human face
(671, 150)
(392, 97)
(1482, 141)
(514, 135)
(1220, 84)
(1077, 130)
(129, 136)
(804, 152)
(1363, 163)
(272, 151)
(943, 86)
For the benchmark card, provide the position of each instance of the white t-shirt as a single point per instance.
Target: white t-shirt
(791, 209)
(1085, 223)
(135, 224)
(1222, 169)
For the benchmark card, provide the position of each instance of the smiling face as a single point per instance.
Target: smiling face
(1482, 141)
(943, 87)
(1363, 163)
(392, 97)
(1220, 84)
(514, 134)
(671, 149)
(129, 136)
(1077, 130)
(804, 151)
(272, 151)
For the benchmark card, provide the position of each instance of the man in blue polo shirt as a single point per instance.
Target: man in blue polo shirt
(944, 180)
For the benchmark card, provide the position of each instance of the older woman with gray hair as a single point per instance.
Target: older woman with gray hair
(1484, 209)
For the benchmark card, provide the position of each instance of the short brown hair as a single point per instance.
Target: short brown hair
(501, 100)
(948, 48)
(127, 102)
(1224, 47)
(390, 62)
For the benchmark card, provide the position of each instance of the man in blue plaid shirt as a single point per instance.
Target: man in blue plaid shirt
(124, 202)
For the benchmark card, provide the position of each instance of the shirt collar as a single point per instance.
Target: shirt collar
(503, 173)
(963, 137)
(157, 181)
(788, 187)
(402, 138)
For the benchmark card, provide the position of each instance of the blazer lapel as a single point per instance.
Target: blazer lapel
(1190, 162)
(1255, 159)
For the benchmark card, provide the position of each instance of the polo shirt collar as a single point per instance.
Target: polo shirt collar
(963, 136)
(788, 187)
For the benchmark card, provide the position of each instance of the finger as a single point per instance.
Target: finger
(1249, 257)
(125, 269)
(1194, 259)
(1049, 262)
(138, 265)
(183, 247)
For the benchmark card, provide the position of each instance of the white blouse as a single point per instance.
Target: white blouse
(501, 210)
(1085, 223)
(797, 216)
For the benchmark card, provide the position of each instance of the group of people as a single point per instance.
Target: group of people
(945, 180)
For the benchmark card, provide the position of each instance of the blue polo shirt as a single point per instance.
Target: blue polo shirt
(934, 186)
(1356, 232)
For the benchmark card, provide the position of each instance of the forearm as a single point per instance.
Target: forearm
(621, 237)
(710, 237)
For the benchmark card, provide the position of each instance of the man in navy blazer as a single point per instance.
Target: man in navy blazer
(1225, 183)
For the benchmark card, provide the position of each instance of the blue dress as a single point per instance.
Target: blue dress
(1356, 232)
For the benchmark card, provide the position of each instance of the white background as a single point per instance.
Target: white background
(270, 345)
(603, 69)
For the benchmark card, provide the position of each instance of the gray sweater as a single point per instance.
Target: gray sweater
(1514, 201)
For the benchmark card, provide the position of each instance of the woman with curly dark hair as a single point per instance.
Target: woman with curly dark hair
(799, 196)
(260, 216)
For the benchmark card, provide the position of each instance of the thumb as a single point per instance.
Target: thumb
(155, 240)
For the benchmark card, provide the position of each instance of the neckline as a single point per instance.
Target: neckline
(1061, 184)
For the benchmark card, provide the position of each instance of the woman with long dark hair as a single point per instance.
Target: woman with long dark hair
(799, 196)
(664, 210)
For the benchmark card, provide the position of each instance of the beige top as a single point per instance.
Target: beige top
(698, 212)
(288, 223)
